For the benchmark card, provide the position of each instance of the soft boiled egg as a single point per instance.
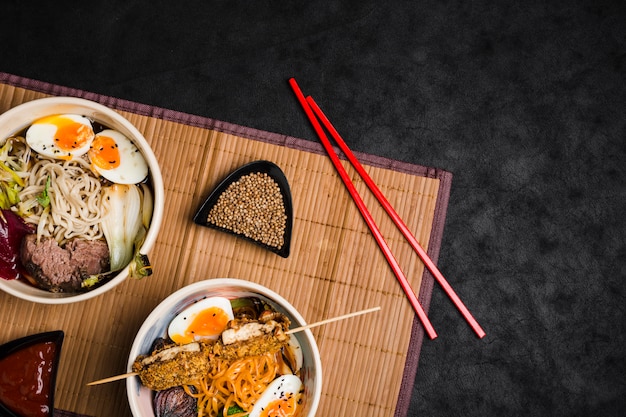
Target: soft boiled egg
(117, 159)
(280, 398)
(61, 136)
(205, 319)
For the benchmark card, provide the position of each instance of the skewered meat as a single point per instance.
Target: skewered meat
(264, 339)
(242, 329)
(175, 365)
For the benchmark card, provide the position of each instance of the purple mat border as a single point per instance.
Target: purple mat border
(441, 206)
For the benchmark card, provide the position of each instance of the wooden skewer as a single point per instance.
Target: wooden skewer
(319, 323)
(290, 331)
(113, 378)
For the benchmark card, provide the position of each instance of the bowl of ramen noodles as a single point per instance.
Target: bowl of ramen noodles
(81, 200)
(224, 347)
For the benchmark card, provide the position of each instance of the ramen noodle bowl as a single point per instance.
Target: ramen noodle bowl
(19, 118)
(156, 326)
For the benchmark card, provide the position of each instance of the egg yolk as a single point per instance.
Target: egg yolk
(104, 153)
(209, 322)
(70, 135)
(284, 407)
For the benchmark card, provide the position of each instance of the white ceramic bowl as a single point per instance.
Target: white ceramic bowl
(21, 116)
(140, 397)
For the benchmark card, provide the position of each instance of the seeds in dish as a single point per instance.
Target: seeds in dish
(83, 192)
(252, 207)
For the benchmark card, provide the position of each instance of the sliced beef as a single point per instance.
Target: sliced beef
(62, 269)
(90, 256)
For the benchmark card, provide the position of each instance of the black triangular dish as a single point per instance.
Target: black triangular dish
(274, 172)
(20, 346)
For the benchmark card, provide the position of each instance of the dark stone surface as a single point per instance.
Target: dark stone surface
(524, 102)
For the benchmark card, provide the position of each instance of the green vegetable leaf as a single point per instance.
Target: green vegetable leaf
(13, 174)
(4, 201)
(44, 198)
(9, 195)
(13, 194)
(234, 409)
(91, 281)
(140, 267)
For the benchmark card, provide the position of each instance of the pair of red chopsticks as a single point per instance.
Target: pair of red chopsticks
(314, 113)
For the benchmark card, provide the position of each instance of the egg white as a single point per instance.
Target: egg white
(295, 347)
(132, 167)
(281, 387)
(41, 138)
(180, 323)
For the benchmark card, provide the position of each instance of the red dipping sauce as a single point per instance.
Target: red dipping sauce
(26, 378)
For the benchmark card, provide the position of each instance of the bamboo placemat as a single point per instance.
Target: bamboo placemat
(335, 267)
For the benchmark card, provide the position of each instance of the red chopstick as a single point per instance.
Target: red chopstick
(317, 113)
(430, 265)
(404, 283)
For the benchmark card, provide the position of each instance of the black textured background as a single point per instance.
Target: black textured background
(523, 101)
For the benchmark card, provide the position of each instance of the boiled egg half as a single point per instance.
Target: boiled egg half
(62, 136)
(280, 398)
(296, 350)
(203, 320)
(116, 158)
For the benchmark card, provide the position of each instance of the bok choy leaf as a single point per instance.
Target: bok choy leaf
(122, 222)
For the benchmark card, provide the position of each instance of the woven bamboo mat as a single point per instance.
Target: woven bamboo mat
(335, 266)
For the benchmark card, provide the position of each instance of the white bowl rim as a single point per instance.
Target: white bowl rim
(215, 283)
(46, 297)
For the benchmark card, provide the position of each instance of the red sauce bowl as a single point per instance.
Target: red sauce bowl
(28, 369)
